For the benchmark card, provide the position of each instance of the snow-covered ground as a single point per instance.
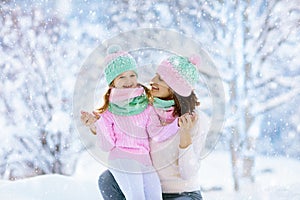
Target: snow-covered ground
(276, 178)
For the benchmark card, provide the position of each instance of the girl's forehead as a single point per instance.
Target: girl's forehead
(128, 72)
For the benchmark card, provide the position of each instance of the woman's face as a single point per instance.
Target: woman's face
(127, 79)
(159, 87)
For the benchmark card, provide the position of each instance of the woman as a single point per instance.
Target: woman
(176, 160)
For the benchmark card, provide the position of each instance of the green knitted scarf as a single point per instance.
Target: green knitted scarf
(164, 104)
(129, 107)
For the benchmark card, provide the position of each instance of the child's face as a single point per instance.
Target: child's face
(127, 79)
(159, 87)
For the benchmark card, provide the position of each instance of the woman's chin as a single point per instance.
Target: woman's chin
(155, 93)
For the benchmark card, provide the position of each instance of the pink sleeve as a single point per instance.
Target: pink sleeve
(157, 131)
(105, 132)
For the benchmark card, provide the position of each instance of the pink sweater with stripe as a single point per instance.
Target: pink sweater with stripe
(128, 136)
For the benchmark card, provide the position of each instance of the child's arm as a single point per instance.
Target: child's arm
(157, 131)
(105, 132)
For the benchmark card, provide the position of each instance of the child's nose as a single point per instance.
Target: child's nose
(128, 82)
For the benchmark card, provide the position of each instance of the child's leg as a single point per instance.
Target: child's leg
(152, 185)
(130, 183)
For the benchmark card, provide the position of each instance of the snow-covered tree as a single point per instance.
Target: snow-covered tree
(40, 55)
(259, 39)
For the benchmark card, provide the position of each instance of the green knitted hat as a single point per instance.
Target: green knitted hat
(117, 62)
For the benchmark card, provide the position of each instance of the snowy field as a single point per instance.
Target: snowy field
(276, 178)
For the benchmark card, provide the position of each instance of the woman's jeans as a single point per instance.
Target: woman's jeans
(111, 190)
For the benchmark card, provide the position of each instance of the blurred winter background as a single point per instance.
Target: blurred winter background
(255, 45)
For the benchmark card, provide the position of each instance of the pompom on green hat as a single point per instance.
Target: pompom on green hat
(116, 62)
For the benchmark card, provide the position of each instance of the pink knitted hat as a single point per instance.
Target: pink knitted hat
(180, 73)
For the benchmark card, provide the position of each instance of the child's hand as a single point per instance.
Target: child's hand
(96, 114)
(87, 118)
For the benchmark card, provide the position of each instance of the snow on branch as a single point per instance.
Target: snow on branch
(274, 102)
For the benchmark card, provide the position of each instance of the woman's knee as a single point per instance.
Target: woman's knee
(109, 187)
(104, 179)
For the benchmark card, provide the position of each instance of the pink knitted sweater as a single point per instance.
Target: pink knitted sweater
(128, 136)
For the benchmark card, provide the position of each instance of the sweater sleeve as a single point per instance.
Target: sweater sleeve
(105, 132)
(157, 131)
(190, 158)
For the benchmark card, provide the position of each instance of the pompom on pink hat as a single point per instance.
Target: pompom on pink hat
(180, 73)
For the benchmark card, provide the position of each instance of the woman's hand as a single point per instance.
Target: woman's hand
(186, 123)
(89, 119)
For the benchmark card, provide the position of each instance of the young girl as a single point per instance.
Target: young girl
(126, 122)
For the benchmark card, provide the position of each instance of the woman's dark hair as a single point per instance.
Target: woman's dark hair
(185, 104)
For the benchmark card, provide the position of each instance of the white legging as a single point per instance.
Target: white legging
(137, 181)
